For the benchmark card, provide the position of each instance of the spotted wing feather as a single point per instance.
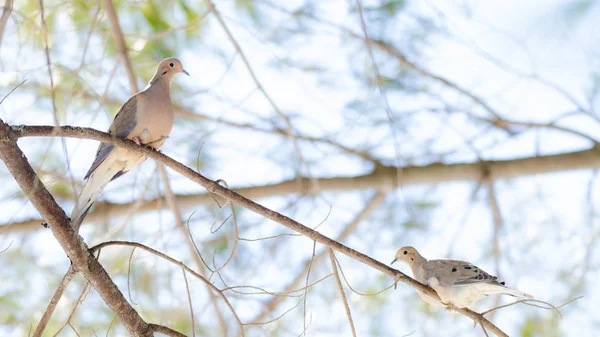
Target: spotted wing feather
(455, 273)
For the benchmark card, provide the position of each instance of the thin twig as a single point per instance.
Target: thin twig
(192, 248)
(117, 34)
(189, 296)
(370, 206)
(165, 330)
(77, 302)
(53, 302)
(286, 120)
(178, 263)
(341, 289)
(306, 287)
(7, 247)
(11, 91)
(484, 330)
(129, 276)
(53, 92)
(498, 223)
(531, 302)
(8, 7)
(356, 291)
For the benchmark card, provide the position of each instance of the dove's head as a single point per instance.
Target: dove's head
(170, 67)
(408, 254)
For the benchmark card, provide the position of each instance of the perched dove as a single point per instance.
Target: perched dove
(458, 283)
(147, 119)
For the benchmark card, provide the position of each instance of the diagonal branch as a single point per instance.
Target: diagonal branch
(54, 302)
(83, 261)
(11, 134)
(341, 288)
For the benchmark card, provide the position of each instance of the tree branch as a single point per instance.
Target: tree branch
(382, 178)
(342, 293)
(53, 302)
(165, 330)
(182, 265)
(83, 261)
(214, 187)
(8, 7)
(117, 34)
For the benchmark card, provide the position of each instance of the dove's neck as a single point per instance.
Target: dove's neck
(416, 266)
(159, 83)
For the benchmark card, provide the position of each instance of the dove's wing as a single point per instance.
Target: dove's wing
(124, 123)
(456, 273)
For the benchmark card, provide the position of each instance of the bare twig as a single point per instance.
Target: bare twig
(286, 120)
(53, 302)
(312, 256)
(189, 296)
(531, 302)
(7, 247)
(49, 63)
(180, 264)
(8, 7)
(370, 206)
(356, 291)
(388, 109)
(117, 34)
(129, 276)
(484, 331)
(165, 330)
(53, 91)
(79, 300)
(341, 288)
(11, 91)
(172, 203)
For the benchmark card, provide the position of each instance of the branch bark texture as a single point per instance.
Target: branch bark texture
(72, 244)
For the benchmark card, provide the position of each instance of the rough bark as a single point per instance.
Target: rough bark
(72, 244)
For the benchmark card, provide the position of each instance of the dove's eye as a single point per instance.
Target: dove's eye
(405, 252)
(171, 64)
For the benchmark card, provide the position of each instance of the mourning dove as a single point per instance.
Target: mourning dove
(146, 118)
(458, 283)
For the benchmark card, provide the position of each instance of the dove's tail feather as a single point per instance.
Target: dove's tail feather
(515, 293)
(91, 190)
(500, 288)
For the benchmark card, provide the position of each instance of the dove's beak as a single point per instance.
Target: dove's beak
(393, 262)
(185, 72)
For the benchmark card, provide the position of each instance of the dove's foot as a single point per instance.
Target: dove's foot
(136, 140)
(450, 306)
(154, 148)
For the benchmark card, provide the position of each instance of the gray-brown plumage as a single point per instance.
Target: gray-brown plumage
(146, 118)
(457, 283)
